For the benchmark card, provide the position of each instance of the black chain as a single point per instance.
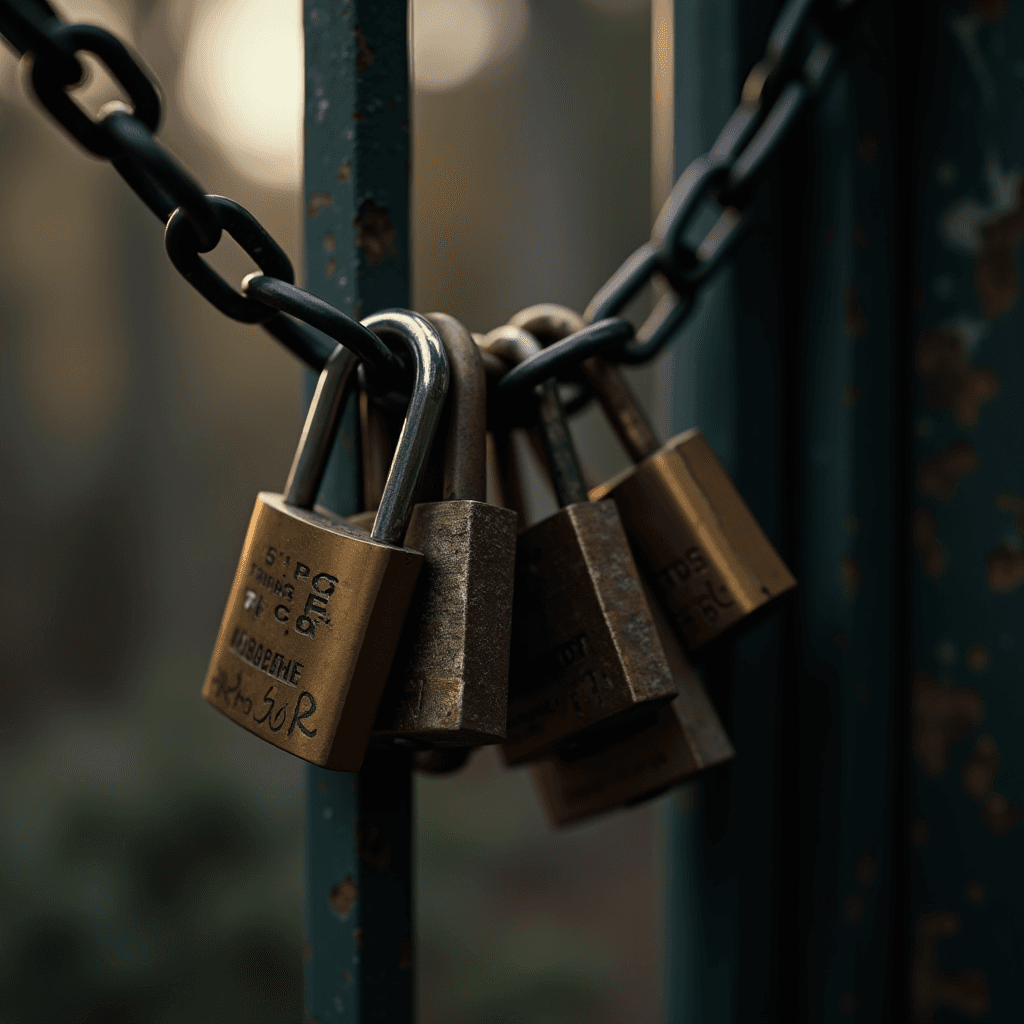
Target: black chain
(802, 49)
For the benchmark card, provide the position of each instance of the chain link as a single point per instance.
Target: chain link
(776, 92)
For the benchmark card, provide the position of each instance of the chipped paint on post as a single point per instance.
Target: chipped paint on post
(359, 950)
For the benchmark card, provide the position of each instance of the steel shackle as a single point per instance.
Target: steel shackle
(430, 386)
(465, 454)
(307, 471)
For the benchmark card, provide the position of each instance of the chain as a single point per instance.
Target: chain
(803, 47)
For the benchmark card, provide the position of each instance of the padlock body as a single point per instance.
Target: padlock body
(448, 684)
(309, 632)
(635, 762)
(695, 539)
(584, 645)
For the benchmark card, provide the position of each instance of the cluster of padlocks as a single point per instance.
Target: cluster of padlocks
(440, 622)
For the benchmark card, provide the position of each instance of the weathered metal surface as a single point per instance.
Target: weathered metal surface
(703, 552)
(622, 766)
(584, 645)
(359, 954)
(965, 804)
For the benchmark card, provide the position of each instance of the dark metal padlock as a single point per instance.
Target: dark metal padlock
(623, 766)
(449, 681)
(316, 609)
(585, 649)
(699, 545)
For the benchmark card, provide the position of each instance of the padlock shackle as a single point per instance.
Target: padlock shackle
(430, 386)
(514, 344)
(465, 458)
(307, 470)
(554, 322)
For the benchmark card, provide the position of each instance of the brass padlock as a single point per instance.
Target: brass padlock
(316, 609)
(626, 765)
(697, 542)
(585, 649)
(449, 681)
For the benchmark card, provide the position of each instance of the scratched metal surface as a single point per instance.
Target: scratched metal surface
(359, 951)
(965, 896)
(860, 859)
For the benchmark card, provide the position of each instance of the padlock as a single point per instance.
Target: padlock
(634, 762)
(585, 650)
(449, 682)
(316, 609)
(695, 539)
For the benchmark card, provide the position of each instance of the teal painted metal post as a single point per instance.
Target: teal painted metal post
(359, 920)
(861, 371)
(965, 838)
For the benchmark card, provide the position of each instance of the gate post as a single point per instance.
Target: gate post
(358, 906)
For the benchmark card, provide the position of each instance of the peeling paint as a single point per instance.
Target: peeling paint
(941, 714)
(366, 56)
(344, 897)
(375, 233)
(940, 475)
(317, 203)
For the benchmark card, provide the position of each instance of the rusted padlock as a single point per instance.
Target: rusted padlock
(449, 682)
(316, 609)
(699, 545)
(623, 766)
(585, 649)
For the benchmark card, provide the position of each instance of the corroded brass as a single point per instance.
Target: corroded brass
(702, 550)
(694, 537)
(585, 649)
(622, 766)
(315, 613)
(449, 682)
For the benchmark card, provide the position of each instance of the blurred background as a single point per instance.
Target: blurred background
(150, 851)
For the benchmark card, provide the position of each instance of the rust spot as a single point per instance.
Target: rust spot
(344, 171)
(920, 833)
(405, 126)
(860, 239)
(941, 475)
(357, 115)
(365, 57)
(329, 242)
(975, 893)
(977, 657)
(375, 233)
(856, 321)
(344, 896)
(929, 987)
(318, 202)
(932, 552)
(853, 909)
(1004, 569)
(331, 267)
(998, 814)
(867, 147)
(849, 570)
(996, 274)
(987, 10)
(950, 382)
(866, 870)
(357, 934)
(981, 768)
(1011, 503)
(374, 848)
(941, 714)
(405, 952)
(851, 395)
(346, 976)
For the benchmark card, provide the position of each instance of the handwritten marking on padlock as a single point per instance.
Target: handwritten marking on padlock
(275, 715)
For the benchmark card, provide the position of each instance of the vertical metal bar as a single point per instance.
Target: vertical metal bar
(359, 922)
